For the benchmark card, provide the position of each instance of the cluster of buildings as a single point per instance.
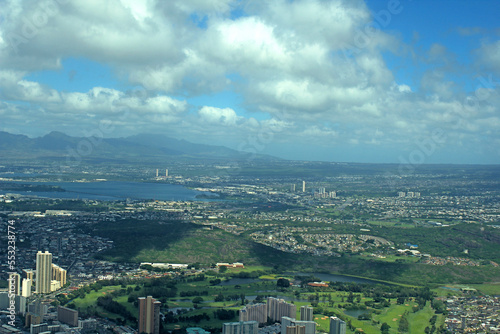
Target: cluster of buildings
(277, 310)
(64, 243)
(482, 209)
(62, 320)
(321, 243)
(42, 318)
(160, 177)
(48, 277)
(409, 194)
(322, 193)
(272, 311)
(457, 261)
(473, 314)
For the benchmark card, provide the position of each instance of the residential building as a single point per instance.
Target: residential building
(242, 327)
(59, 274)
(26, 287)
(297, 329)
(67, 316)
(18, 303)
(337, 326)
(43, 272)
(306, 313)
(309, 327)
(30, 274)
(278, 308)
(40, 328)
(149, 315)
(254, 312)
(32, 319)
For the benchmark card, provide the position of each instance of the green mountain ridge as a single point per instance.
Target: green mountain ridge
(133, 149)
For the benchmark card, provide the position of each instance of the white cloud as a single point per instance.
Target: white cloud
(226, 116)
(289, 60)
(489, 56)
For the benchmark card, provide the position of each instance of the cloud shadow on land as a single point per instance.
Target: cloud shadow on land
(131, 237)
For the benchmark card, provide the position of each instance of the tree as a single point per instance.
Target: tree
(404, 325)
(219, 297)
(385, 328)
(438, 306)
(283, 282)
(222, 269)
(197, 300)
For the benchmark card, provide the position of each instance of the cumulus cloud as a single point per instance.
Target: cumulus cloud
(226, 116)
(315, 69)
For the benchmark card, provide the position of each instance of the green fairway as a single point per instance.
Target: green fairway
(91, 298)
(393, 314)
(420, 320)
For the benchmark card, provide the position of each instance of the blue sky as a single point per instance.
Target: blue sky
(360, 81)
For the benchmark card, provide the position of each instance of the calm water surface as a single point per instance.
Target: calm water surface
(114, 190)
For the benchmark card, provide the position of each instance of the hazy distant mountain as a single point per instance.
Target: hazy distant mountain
(137, 148)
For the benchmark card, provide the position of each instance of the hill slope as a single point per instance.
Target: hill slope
(138, 148)
(180, 242)
(173, 241)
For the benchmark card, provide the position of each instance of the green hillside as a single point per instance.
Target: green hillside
(180, 242)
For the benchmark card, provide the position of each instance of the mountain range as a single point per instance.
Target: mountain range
(138, 148)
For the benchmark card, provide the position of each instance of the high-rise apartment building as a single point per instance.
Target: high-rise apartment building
(337, 326)
(30, 274)
(306, 313)
(242, 327)
(43, 272)
(26, 287)
(309, 327)
(254, 312)
(278, 308)
(149, 315)
(58, 274)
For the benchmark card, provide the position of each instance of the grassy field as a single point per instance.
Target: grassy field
(487, 289)
(393, 314)
(420, 320)
(91, 298)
